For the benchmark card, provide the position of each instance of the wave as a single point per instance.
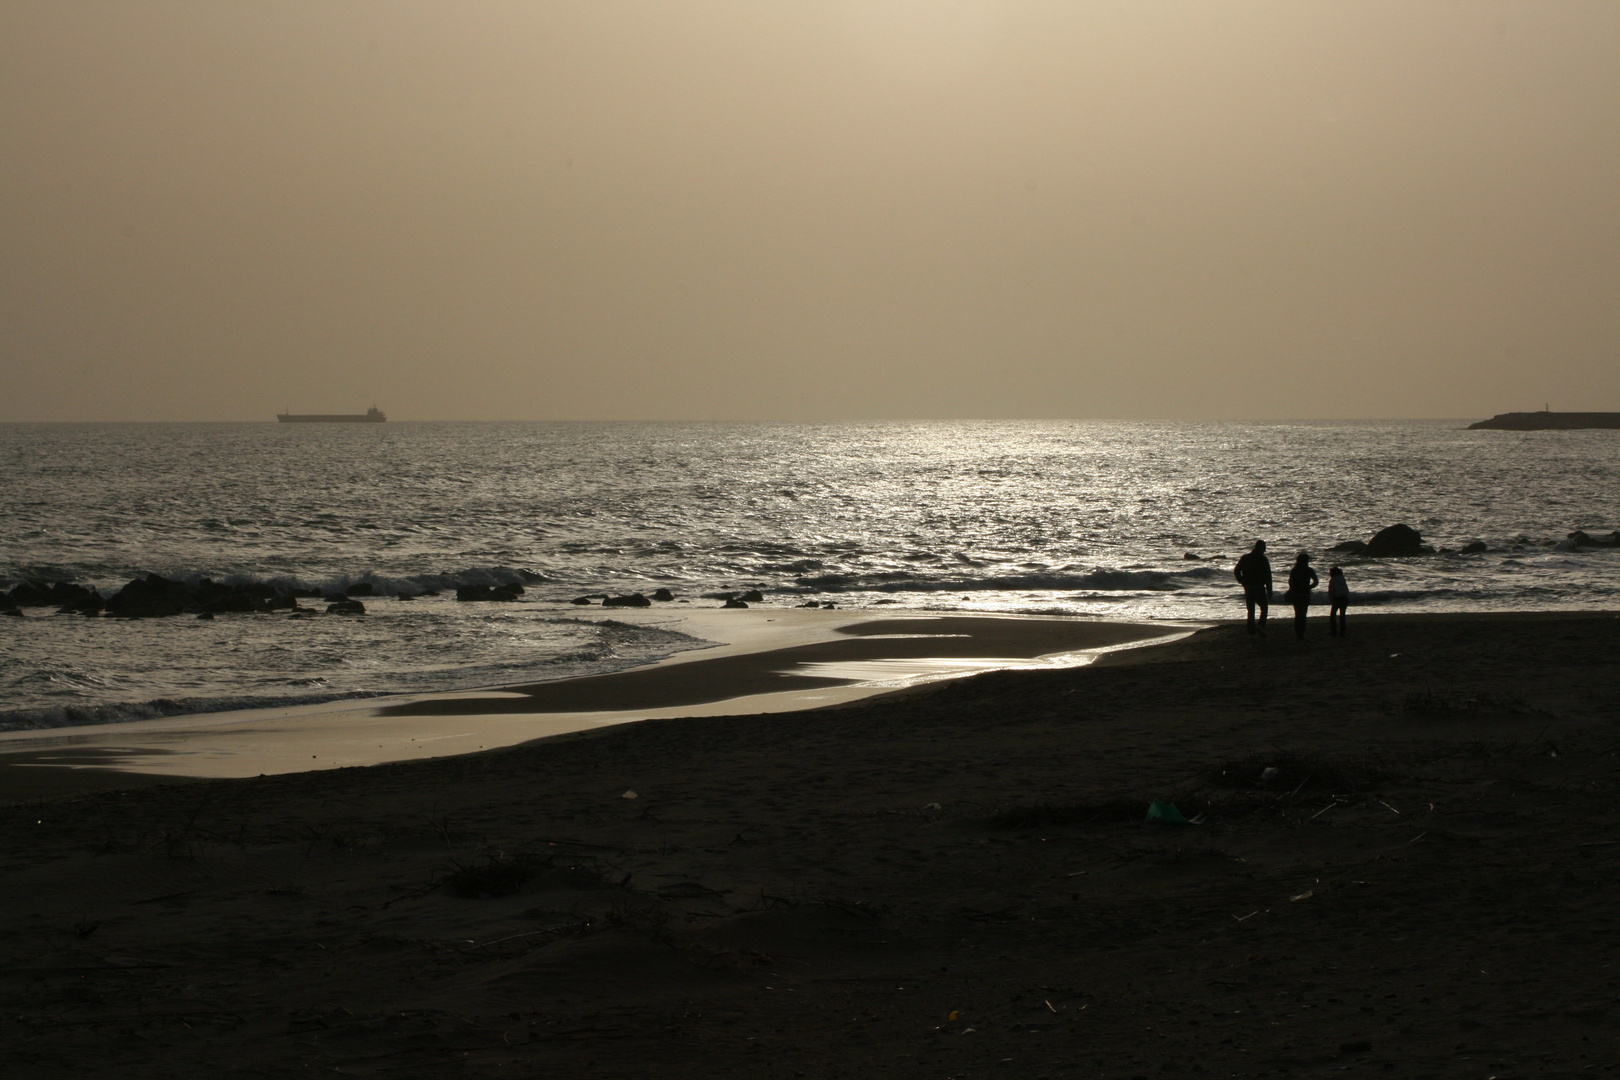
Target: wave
(1102, 579)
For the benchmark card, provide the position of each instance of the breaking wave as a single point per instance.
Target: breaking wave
(1095, 580)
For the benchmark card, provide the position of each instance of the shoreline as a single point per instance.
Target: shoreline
(768, 661)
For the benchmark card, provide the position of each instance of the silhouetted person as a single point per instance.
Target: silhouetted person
(1253, 572)
(1301, 580)
(1338, 601)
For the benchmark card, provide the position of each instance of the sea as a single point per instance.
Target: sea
(1114, 520)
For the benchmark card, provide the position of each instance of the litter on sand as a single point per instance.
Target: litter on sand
(1166, 814)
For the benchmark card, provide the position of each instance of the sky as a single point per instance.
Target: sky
(874, 209)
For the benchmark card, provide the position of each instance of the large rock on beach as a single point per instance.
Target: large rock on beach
(633, 600)
(1584, 539)
(1394, 542)
(151, 597)
(30, 594)
(735, 603)
(53, 594)
(346, 607)
(754, 596)
(663, 594)
(155, 596)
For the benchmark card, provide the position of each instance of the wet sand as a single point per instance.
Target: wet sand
(766, 661)
(953, 881)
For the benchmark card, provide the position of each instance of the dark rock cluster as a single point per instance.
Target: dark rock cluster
(1583, 539)
(65, 596)
(1397, 541)
(629, 600)
(153, 596)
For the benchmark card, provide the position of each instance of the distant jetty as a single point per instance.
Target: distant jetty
(372, 415)
(1548, 421)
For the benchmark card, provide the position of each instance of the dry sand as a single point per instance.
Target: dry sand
(951, 882)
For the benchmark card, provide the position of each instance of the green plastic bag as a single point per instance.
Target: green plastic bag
(1166, 814)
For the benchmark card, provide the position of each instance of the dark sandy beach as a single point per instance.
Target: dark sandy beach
(956, 881)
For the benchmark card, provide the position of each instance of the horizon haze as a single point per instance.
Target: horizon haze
(873, 209)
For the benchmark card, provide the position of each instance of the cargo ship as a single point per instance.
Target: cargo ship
(1548, 421)
(372, 415)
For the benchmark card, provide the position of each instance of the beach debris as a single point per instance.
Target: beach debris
(1306, 895)
(631, 794)
(1268, 774)
(1165, 813)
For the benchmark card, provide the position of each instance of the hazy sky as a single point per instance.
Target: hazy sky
(784, 210)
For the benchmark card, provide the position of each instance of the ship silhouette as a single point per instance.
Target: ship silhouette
(372, 415)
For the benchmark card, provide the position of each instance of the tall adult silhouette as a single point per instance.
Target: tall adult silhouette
(1253, 572)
